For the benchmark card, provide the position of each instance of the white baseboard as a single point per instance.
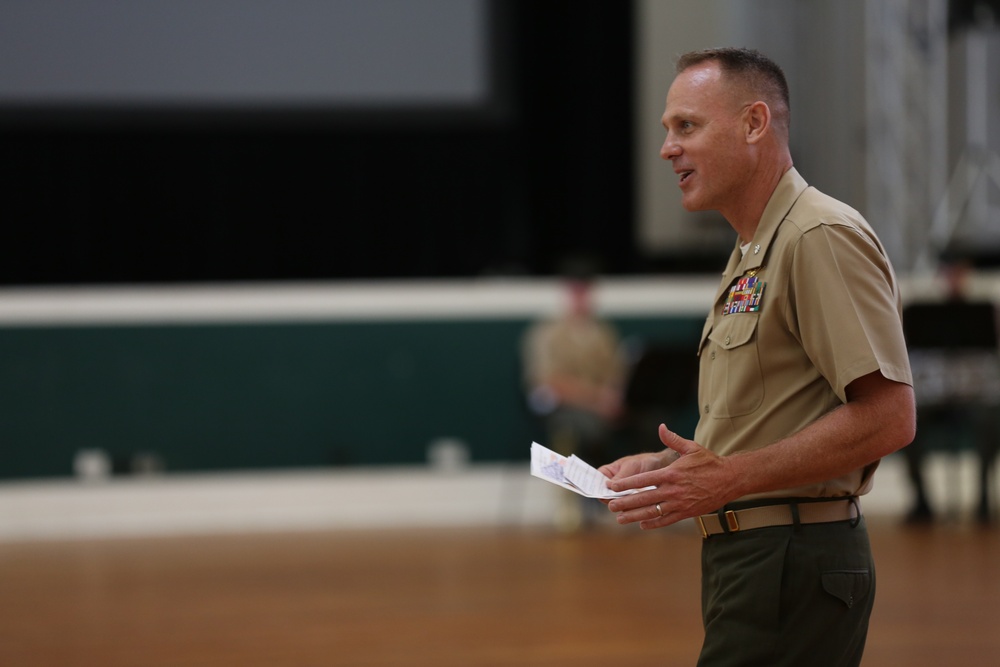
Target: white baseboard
(375, 498)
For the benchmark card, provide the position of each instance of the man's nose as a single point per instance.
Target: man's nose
(669, 150)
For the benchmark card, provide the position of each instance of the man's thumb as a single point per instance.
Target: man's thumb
(674, 441)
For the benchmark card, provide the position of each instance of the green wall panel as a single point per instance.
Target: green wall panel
(226, 397)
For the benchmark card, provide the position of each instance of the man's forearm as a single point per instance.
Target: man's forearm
(878, 419)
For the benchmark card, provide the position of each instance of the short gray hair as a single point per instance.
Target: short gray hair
(760, 74)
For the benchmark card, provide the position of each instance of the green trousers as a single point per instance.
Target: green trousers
(799, 596)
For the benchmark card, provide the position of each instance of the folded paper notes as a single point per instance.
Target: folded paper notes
(571, 473)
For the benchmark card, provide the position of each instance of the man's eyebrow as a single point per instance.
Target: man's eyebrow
(676, 116)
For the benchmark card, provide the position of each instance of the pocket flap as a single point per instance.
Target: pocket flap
(849, 586)
(735, 330)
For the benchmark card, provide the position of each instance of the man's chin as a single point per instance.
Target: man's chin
(691, 204)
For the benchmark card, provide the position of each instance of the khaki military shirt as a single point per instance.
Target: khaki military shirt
(583, 350)
(812, 305)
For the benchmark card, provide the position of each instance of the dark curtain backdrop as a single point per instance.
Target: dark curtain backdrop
(542, 183)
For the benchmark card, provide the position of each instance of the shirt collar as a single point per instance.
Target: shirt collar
(789, 188)
(782, 199)
(785, 194)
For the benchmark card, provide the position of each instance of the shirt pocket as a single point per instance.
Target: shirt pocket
(735, 379)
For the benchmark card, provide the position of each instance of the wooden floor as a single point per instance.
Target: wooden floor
(462, 598)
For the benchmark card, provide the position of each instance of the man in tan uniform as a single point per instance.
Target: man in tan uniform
(574, 374)
(804, 384)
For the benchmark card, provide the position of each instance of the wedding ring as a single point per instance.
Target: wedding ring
(658, 510)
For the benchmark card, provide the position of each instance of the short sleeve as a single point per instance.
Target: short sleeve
(845, 305)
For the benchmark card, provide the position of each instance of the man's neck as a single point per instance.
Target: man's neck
(745, 218)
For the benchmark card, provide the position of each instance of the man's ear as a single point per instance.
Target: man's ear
(758, 121)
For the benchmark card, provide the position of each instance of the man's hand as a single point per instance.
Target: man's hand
(637, 463)
(696, 482)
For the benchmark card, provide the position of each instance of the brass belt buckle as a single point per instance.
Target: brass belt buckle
(731, 521)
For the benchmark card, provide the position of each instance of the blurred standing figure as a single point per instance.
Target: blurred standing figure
(955, 355)
(804, 384)
(574, 373)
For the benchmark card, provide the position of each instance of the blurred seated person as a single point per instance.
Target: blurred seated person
(954, 355)
(574, 372)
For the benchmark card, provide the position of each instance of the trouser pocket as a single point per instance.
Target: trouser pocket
(848, 586)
